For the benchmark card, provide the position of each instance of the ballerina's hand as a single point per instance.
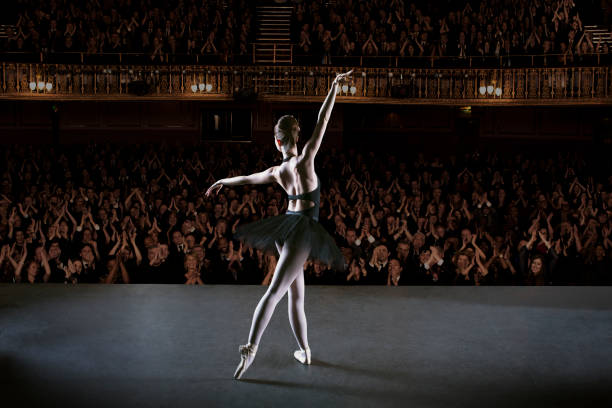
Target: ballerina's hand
(217, 185)
(343, 77)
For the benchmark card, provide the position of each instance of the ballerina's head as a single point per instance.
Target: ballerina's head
(286, 133)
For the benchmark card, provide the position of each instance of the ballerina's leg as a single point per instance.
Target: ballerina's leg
(297, 316)
(290, 263)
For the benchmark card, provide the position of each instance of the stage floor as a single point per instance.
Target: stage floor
(177, 346)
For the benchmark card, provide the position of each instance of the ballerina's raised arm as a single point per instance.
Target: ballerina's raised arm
(312, 145)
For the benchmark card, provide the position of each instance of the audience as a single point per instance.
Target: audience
(137, 214)
(321, 31)
(117, 214)
(459, 29)
(161, 30)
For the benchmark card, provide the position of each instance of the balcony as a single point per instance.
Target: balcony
(387, 85)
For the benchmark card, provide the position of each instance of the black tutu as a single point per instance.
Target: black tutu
(263, 234)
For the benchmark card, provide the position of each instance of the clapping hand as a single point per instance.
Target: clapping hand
(70, 270)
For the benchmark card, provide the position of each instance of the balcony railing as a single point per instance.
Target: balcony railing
(279, 54)
(457, 85)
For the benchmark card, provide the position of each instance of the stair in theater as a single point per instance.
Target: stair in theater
(4, 28)
(599, 33)
(273, 41)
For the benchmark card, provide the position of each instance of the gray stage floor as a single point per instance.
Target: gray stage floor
(177, 346)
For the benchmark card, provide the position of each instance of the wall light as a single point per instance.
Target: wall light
(490, 90)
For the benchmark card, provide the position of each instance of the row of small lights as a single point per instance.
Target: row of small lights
(41, 86)
(201, 87)
(490, 90)
(346, 89)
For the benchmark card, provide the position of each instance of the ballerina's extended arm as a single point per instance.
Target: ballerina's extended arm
(263, 177)
(312, 145)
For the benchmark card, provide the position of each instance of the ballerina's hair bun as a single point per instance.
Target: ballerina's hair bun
(284, 128)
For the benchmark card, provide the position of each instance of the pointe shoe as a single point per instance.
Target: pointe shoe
(247, 354)
(303, 356)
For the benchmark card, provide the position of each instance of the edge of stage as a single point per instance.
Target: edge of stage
(420, 346)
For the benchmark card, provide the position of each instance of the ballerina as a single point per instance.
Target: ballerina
(296, 235)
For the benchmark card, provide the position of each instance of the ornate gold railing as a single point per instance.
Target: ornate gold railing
(412, 85)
